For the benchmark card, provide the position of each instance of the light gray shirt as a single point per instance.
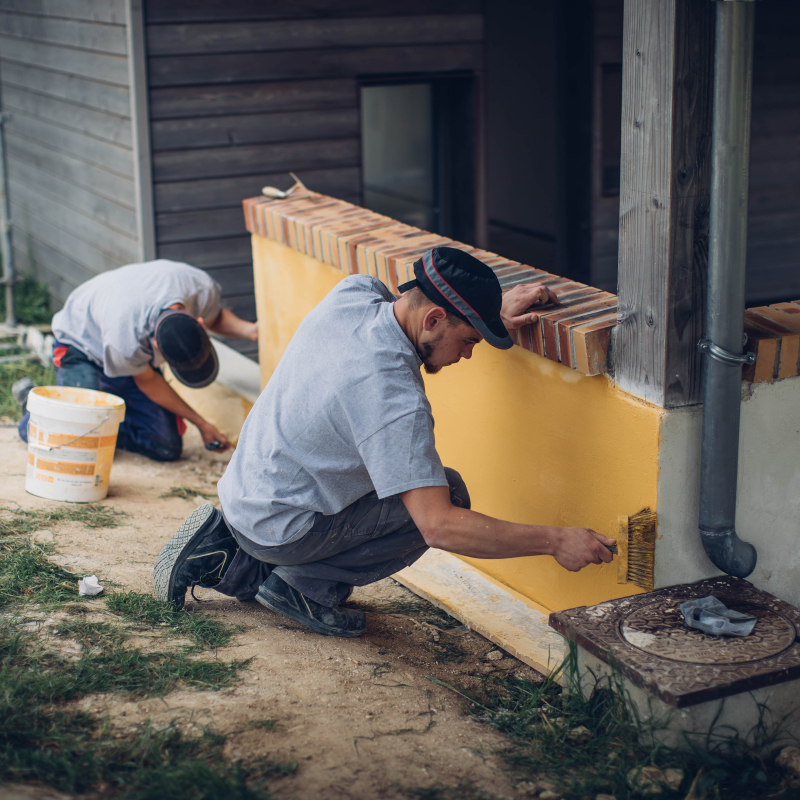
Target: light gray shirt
(345, 413)
(112, 317)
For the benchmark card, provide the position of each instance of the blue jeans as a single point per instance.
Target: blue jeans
(148, 429)
(369, 540)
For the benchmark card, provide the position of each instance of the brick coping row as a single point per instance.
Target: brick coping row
(576, 333)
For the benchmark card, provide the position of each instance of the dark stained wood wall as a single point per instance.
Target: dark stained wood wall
(242, 92)
(64, 80)
(773, 231)
(605, 210)
(773, 251)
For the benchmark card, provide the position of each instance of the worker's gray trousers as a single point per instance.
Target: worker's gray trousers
(366, 542)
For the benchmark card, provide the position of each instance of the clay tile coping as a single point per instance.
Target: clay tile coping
(576, 333)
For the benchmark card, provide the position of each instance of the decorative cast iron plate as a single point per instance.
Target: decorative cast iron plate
(646, 639)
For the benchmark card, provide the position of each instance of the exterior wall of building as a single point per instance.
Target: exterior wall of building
(535, 440)
(64, 78)
(243, 92)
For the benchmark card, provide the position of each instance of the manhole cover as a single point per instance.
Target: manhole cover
(658, 629)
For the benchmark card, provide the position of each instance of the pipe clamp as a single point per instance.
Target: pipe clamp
(726, 356)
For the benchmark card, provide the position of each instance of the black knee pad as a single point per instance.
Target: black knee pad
(459, 496)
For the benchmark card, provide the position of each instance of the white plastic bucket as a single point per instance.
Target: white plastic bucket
(71, 439)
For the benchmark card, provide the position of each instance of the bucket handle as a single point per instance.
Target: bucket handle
(50, 448)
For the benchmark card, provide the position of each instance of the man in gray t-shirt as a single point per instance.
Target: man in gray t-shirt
(336, 481)
(117, 328)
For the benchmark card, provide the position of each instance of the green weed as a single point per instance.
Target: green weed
(464, 791)
(11, 372)
(189, 492)
(73, 751)
(28, 576)
(31, 302)
(589, 746)
(21, 521)
(264, 724)
(145, 609)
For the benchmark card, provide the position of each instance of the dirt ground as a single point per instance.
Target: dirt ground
(361, 717)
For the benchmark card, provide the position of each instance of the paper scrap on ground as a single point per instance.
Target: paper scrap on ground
(710, 615)
(89, 586)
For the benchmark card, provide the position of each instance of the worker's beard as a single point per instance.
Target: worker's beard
(426, 351)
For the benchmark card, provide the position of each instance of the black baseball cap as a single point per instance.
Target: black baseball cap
(464, 286)
(187, 349)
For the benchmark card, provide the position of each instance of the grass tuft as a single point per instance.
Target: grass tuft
(464, 791)
(264, 724)
(28, 576)
(22, 521)
(11, 372)
(588, 746)
(145, 609)
(189, 492)
(48, 661)
(31, 302)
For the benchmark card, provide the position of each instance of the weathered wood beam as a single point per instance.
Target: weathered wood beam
(667, 81)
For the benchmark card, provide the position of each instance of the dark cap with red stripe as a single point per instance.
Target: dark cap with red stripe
(464, 286)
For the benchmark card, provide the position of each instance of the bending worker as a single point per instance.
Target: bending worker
(116, 330)
(336, 481)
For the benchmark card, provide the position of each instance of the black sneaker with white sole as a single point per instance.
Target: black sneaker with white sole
(278, 596)
(197, 555)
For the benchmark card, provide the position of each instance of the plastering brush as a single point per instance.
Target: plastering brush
(636, 549)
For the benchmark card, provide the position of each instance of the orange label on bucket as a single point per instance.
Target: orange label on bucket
(65, 440)
(65, 467)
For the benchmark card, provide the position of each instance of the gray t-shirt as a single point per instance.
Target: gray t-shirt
(112, 317)
(345, 413)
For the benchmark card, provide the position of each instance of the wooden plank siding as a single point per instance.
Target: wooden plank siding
(243, 93)
(773, 248)
(64, 82)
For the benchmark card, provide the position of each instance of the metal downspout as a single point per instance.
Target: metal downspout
(722, 378)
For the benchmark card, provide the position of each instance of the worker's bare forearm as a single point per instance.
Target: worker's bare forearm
(469, 533)
(160, 392)
(228, 324)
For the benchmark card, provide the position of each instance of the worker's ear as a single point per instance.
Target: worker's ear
(433, 318)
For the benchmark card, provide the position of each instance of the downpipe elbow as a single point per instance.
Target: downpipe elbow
(728, 552)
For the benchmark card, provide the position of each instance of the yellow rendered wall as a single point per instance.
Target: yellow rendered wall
(288, 284)
(535, 441)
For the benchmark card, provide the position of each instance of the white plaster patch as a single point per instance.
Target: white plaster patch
(638, 638)
(599, 611)
(768, 502)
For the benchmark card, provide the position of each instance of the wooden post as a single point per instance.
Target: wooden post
(667, 79)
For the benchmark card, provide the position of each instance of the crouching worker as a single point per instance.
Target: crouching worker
(116, 330)
(336, 481)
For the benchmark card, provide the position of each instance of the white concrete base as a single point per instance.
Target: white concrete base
(764, 718)
(768, 500)
(497, 612)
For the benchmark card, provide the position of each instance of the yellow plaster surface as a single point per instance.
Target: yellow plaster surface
(539, 443)
(535, 441)
(288, 284)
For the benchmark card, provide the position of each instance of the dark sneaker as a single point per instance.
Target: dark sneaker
(277, 595)
(20, 390)
(197, 555)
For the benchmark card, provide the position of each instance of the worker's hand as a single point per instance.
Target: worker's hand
(575, 548)
(211, 434)
(517, 302)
